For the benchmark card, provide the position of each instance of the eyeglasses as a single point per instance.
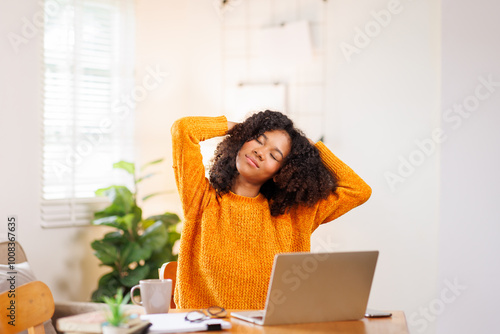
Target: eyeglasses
(211, 312)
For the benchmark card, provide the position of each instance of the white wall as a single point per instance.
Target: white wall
(381, 102)
(181, 38)
(469, 218)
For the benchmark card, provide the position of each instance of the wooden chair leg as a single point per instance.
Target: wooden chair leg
(38, 329)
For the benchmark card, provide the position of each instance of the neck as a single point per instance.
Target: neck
(244, 188)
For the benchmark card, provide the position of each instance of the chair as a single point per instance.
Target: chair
(169, 271)
(34, 305)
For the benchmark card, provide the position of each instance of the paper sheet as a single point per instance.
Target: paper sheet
(175, 323)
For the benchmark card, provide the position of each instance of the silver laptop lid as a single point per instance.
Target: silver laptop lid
(316, 287)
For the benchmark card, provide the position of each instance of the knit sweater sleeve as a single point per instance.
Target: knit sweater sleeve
(351, 191)
(187, 133)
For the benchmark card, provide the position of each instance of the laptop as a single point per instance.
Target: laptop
(316, 287)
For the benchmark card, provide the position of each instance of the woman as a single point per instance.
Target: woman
(269, 189)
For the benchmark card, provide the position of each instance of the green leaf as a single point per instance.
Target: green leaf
(108, 280)
(147, 176)
(124, 223)
(122, 201)
(167, 218)
(154, 237)
(129, 221)
(114, 238)
(151, 163)
(108, 212)
(108, 221)
(147, 223)
(137, 219)
(102, 291)
(173, 236)
(108, 285)
(158, 258)
(133, 252)
(158, 193)
(126, 299)
(134, 276)
(164, 254)
(107, 253)
(126, 166)
(145, 198)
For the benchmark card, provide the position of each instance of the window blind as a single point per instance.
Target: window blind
(87, 113)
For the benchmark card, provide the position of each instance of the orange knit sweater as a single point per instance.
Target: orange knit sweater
(228, 244)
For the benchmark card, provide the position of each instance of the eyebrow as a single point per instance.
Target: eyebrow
(275, 148)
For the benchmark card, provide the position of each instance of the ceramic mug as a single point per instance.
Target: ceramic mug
(155, 295)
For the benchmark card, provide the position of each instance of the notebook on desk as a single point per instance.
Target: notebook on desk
(316, 287)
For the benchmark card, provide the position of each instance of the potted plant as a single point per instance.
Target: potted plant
(137, 247)
(115, 317)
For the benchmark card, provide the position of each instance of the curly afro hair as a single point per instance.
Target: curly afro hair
(302, 179)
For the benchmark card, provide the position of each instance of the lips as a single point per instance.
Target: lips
(251, 161)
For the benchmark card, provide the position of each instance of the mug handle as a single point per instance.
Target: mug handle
(132, 295)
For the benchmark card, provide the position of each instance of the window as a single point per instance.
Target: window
(87, 115)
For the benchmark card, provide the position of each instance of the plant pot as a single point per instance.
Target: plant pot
(114, 330)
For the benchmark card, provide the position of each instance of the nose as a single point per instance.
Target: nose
(258, 153)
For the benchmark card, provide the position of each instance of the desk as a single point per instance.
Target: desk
(393, 325)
